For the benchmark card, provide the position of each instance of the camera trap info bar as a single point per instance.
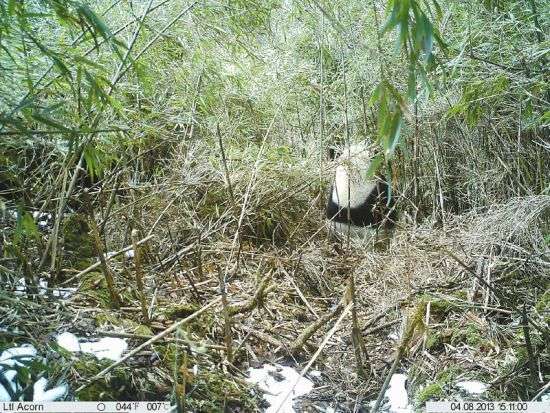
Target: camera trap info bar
(87, 407)
(464, 406)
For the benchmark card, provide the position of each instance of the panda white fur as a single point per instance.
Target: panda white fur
(358, 204)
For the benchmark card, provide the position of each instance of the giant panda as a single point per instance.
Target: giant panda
(358, 204)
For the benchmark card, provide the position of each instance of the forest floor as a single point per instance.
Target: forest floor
(441, 299)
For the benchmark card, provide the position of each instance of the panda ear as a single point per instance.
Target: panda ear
(333, 153)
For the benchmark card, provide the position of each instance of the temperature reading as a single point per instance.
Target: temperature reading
(123, 406)
(157, 406)
(87, 407)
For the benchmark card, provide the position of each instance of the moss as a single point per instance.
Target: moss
(448, 375)
(461, 294)
(470, 335)
(439, 307)
(436, 389)
(433, 340)
(94, 287)
(180, 311)
(213, 391)
(543, 304)
(121, 383)
(78, 243)
(430, 392)
(143, 330)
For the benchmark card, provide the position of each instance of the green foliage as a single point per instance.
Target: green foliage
(25, 228)
(432, 391)
(416, 34)
(480, 97)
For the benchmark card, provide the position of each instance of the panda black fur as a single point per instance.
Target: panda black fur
(357, 202)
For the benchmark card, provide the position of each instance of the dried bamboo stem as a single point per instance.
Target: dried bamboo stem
(300, 341)
(256, 300)
(107, 258)
(139, 277)
(115, 298)
(226, 318)
(149, 342)
(316, 355)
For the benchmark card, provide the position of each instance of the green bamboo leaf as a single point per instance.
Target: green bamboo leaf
(25, 227)
(97, 23)
(438, 11)
(374, 165)
(427, 39)
(84, 60)
(48, 121)
(52, 55)
(375, 95)
(395, 132)
(11, 7)
(393, 19)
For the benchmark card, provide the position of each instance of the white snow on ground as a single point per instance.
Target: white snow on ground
(40, 394)
(108, 347)
(21, 288)
(276, 382)
(128, 254)
(68, 341)
(17, 357)
(397, 399)
(42, 219)
(397, 395)
(472, 386)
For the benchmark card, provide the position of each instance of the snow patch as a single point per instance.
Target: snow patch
(276, 382)
(15, 357)
(42, 219)
(40, 394)
(472, 386)
(396, 395)
(108, 347)
(21, 289)
(68, 341)
(18, 356)
(393, 336)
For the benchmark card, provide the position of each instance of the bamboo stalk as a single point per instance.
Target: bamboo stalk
(139, 277)
(115, 298)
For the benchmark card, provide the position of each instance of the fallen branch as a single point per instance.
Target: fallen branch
(262, 336)
(321, 347)
(107, 258)
(148, 343)
(407, 336)
(300, 341)
(253, 302)
(180, 340)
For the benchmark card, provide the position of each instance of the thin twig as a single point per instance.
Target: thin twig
(107, 258)
(317, 353)
(139, 277)
(148, 343)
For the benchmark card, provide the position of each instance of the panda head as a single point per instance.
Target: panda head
(353, 162)
(352, 185)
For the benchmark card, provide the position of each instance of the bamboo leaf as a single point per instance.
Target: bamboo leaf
(374, 165)
(48, 121)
